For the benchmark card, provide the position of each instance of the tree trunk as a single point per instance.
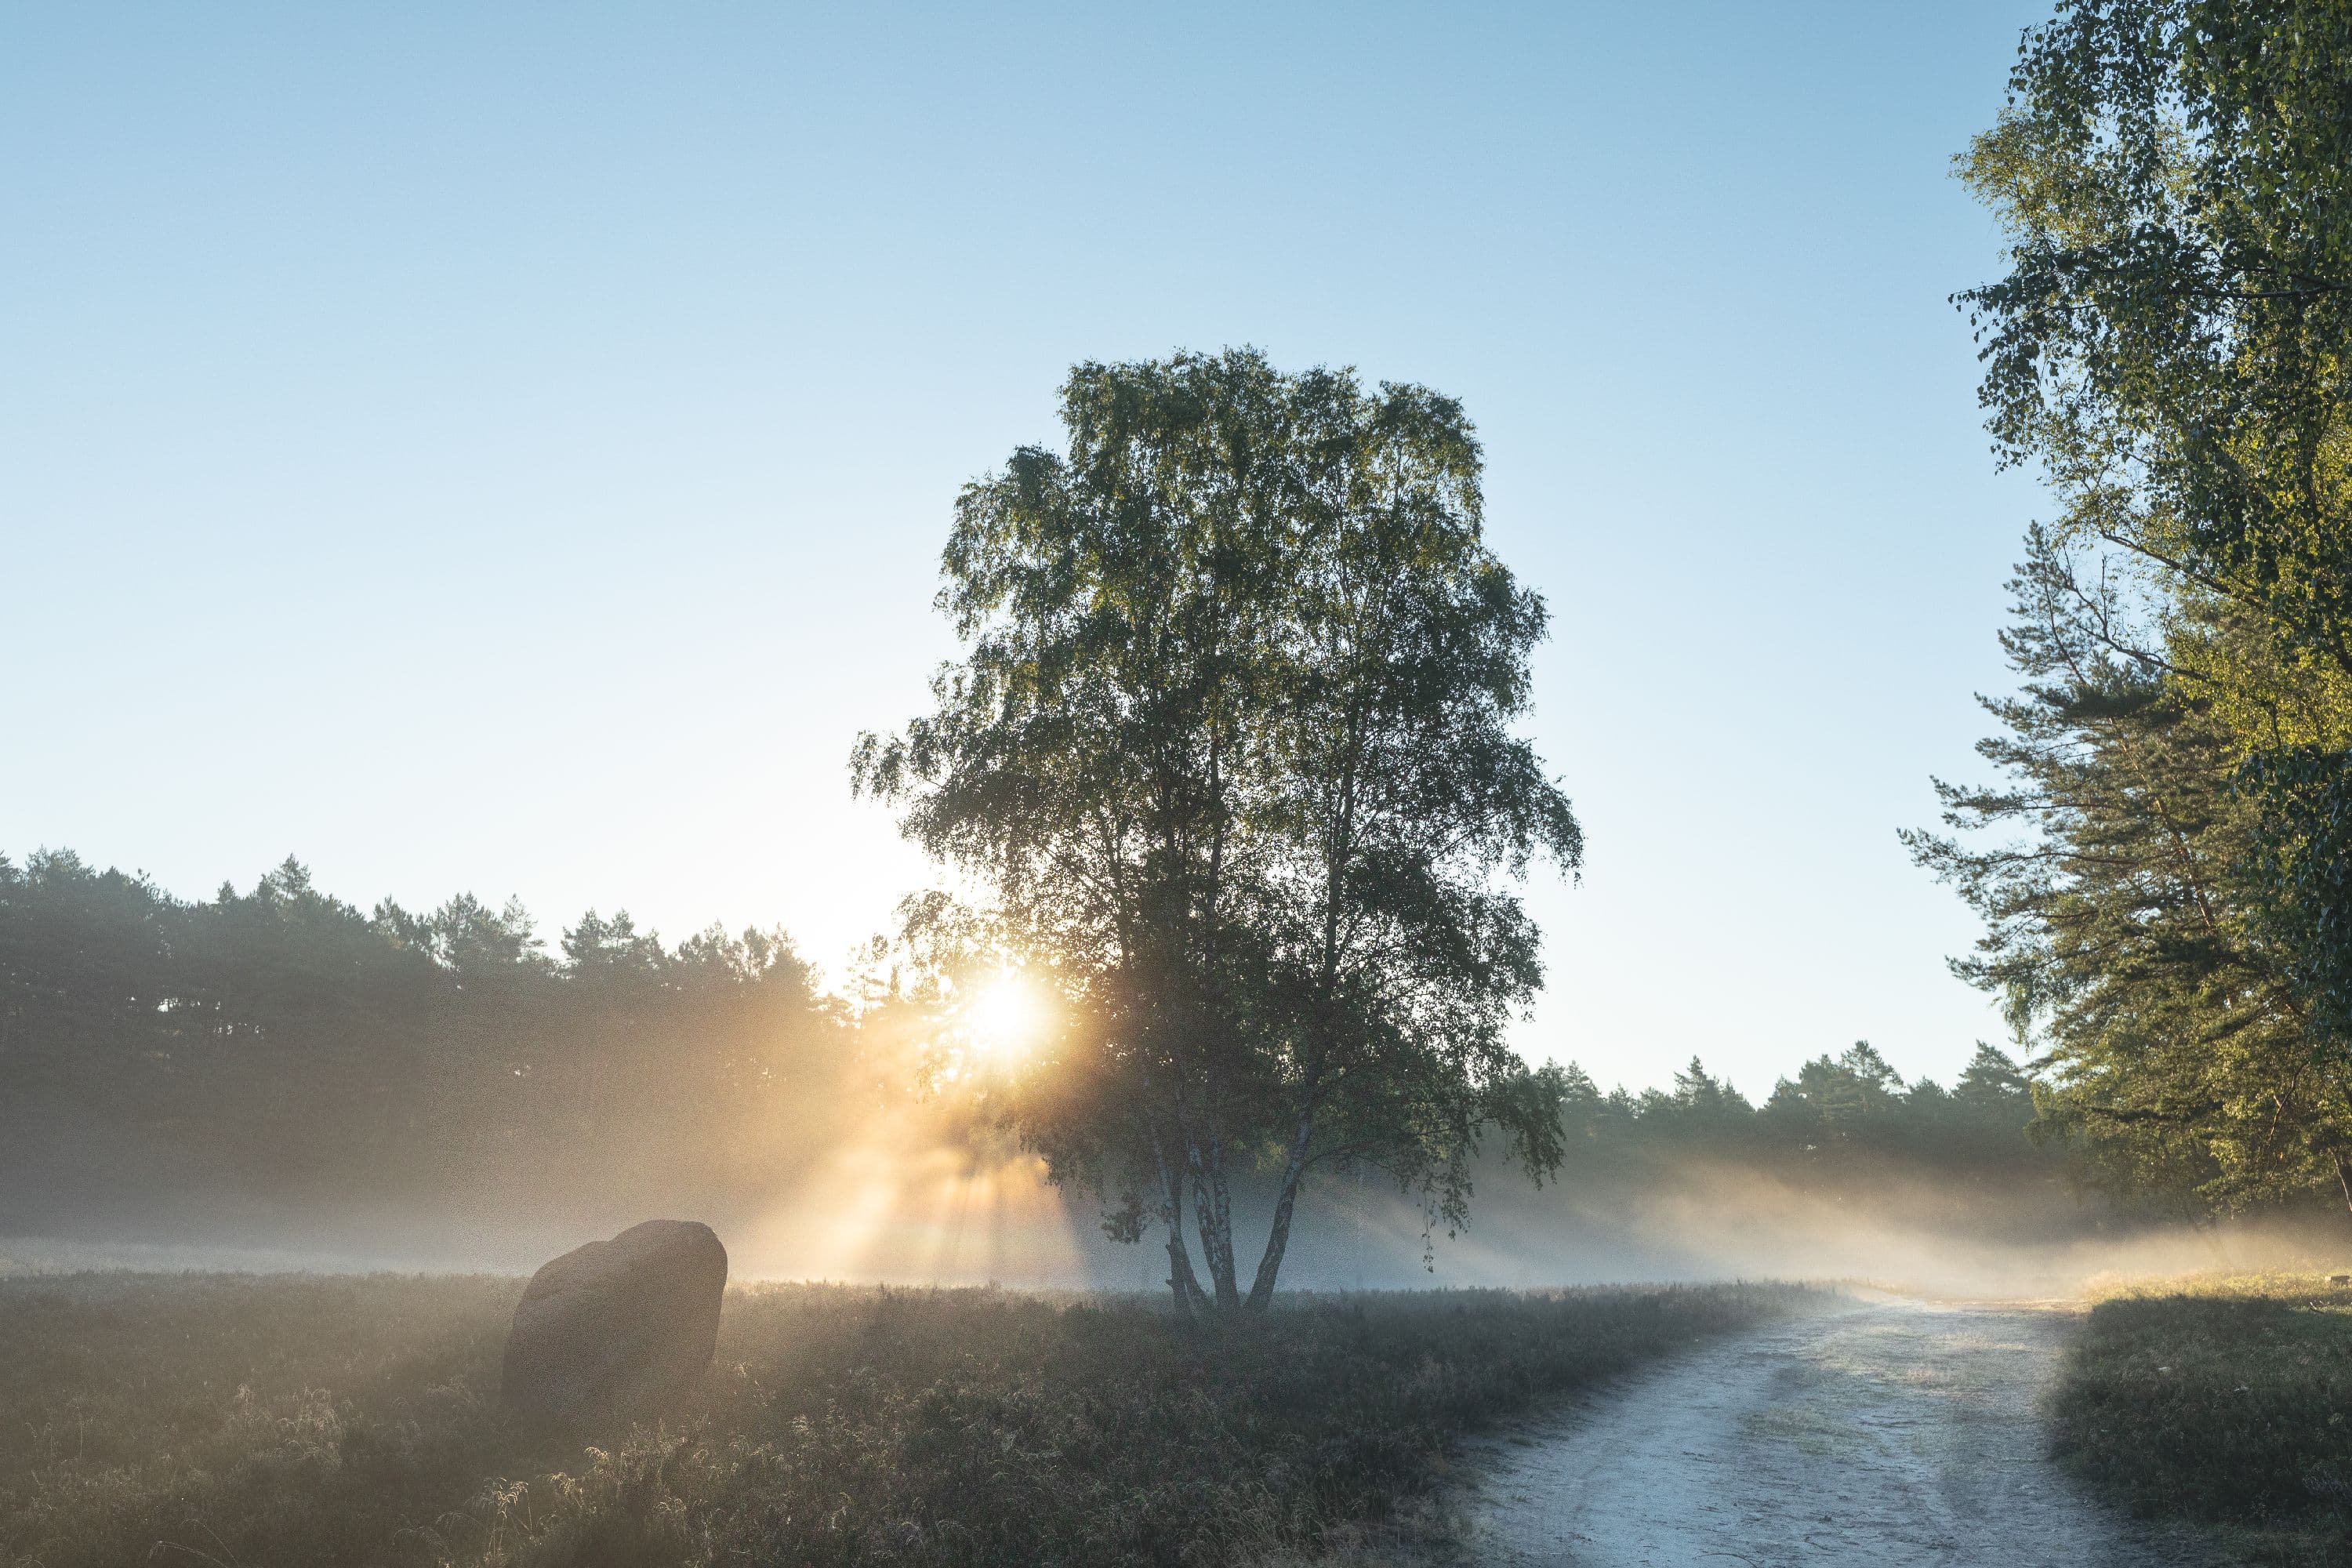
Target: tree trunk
(1228, 1278)
(1277, 1237)
(2344, 1179)
(1213, 1212)
(1190, 1297)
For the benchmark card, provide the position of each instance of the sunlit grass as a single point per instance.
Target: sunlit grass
(2220, 1399)
(290, 1420)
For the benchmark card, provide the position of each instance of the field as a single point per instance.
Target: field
(249, 1421)
(2226, 1402)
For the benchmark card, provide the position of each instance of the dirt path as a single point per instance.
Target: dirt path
(1893, 1435)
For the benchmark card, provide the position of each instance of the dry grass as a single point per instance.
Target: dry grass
(246, 1422)
(2222, 1401)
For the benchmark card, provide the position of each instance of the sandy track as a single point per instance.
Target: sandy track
(1895, 1435)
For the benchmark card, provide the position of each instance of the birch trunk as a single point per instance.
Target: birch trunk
(1182, 1283)
(1213, 1212)
(1277, 1237)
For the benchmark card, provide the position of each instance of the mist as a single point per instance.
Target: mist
(902, 1207)
(275, 1080)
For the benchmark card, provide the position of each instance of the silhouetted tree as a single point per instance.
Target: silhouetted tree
(1232, 746)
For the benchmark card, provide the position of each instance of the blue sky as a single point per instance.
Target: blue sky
(507, 449)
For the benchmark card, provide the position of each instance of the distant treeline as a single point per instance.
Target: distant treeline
(1839, 1118)
(283, 1041)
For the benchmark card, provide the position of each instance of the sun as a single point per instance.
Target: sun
(1005, 1016)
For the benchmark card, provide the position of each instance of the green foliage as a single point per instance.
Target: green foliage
(2169, 346)
(2223, 1402)
(1843, 1123)
(2124, 925)
(2302, 864)
(2169, 339)
(281, 1039)
(1232, 749)
(315, 1422)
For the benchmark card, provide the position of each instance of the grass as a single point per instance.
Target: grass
(250, 1420)
(2221, 1402)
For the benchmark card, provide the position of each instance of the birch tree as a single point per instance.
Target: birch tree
(1231, 754)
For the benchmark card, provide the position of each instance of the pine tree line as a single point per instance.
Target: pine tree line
(281, 1039)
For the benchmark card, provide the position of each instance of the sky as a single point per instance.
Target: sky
(507, 449)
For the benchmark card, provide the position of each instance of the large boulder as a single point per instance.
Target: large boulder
(617, 1329)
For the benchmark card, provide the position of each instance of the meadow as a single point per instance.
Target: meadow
(246, 1421)
(2223, 1402)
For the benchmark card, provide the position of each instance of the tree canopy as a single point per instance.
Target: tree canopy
(2169, 346)
(1232, 755)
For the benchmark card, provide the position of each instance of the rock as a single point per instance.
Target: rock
(617, 1329)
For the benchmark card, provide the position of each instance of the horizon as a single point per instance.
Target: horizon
(550, 935)
(474, 455)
